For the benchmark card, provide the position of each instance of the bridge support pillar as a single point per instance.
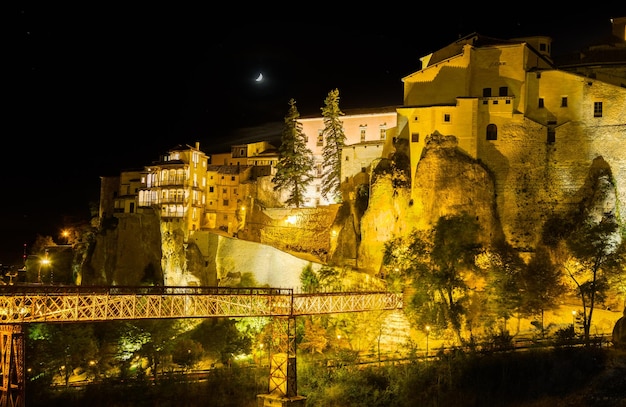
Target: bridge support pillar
(12, 388)
(283, 388)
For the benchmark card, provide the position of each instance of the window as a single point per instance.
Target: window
(492, 132)
(551, 135)
(363, 128)
(597, 109)
(347, 158)
(224, 191)
(225, 202)
(486, 92)
(415, 137)
(564, 101)
(503, 91)
(232, 178)
(383, 132)
(541, 105)
(446, 118)
(415, 118)
(542, 47)
(211, 189)
(320, 138)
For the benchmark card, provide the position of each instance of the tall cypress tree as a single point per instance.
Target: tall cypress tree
(335, 140)
(295, 160)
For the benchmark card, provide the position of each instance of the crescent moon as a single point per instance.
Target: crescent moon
(259, 78)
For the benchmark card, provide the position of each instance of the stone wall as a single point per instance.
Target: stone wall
(305, 231)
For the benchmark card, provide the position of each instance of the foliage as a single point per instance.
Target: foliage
(247, 280)
(221, 338)
(565, 336)
(334, 141)
(500, 341)
(295, 160)
(156, 340)
(540, 284)
(315, 339)
(41, 243)
(439, 264)
(455, 378)
(595, 249)
(65, 346)
(308, 279)
(501, 296)
(187, 352)
(329, 278)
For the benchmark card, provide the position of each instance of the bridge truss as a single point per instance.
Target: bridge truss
(61, 304)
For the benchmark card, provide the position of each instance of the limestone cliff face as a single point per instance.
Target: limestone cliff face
(449, 182)
(446, 182)
(127, 251)
(513, 192)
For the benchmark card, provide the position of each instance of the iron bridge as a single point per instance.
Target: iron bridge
(25, 304)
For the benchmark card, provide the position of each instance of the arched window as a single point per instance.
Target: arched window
(492, 132)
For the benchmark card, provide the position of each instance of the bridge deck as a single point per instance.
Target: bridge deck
(31, 304)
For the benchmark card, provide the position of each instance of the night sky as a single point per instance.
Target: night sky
(98, 88)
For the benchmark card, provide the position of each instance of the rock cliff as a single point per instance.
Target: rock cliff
(139, 249)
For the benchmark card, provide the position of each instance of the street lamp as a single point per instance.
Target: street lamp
(427, 335)
(43, 262)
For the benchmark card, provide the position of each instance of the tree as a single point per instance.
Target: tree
(221, 339)
(308, 279)
(439, 263)
(334, 141)
(61, 348)
(595, 249)
(187, 353)
(315, 339)
(295, 160)
(540, 285)
(501, 296)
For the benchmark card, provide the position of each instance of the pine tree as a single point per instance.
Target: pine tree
(295, 160)
(335, 140)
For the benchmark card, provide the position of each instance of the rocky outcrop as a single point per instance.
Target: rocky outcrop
(127, 251)
(383, 204)
(446, 182)
(619, 332)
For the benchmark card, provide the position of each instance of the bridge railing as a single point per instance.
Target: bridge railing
(26, 304)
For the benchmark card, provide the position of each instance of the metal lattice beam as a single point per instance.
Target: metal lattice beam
(28, 304)
(12, 378)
